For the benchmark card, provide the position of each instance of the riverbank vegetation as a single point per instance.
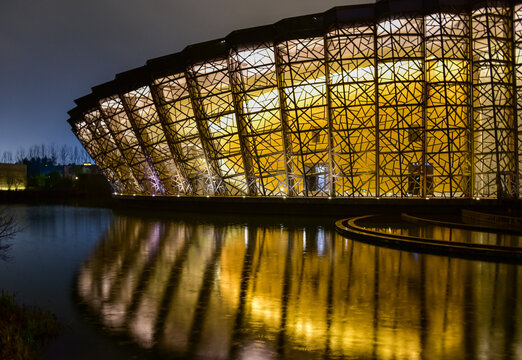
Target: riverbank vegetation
(23, 330)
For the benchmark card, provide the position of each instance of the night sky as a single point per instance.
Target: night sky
(54, 51)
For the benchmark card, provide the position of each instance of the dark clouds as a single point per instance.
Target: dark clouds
(54, 51)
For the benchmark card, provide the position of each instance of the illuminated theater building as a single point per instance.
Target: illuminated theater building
(392, 99)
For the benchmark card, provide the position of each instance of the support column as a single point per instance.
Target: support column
(170, 138)
(216, 180)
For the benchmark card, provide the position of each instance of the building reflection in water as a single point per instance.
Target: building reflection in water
(444, 233)
(255, 291)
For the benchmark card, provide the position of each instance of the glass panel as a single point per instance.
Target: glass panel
(173, 95)
(351, 55)
(447, 168)
(517, 26)
(401, 135)
(209, 84)
(152, 134)
(121, 128)
(302, 74)
(102, 148)
(493, 103)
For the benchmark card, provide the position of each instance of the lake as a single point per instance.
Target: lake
(138, 285)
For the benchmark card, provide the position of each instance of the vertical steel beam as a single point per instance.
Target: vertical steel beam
(446, 106)
(516, 127)
(242, 132)
(424, 103)
(331, 187)
(287, 143)
(216, 180)
(495, 110)
(377, 128)
(107, 120)
(298, 130)
(103, 168)
(501, 100)
(141, 143)
(170, 138)
(471, 108)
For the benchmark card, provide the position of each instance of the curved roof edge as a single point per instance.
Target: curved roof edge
(286, 29)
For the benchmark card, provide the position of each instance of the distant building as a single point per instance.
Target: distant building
(88, 178)
(42, 166)
(72, 171)
(13, 177)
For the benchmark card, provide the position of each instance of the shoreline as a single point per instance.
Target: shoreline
(340, 207)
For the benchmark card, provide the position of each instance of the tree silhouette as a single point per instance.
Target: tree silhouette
(8, 229)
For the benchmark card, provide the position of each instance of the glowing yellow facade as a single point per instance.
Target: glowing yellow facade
(374, 100)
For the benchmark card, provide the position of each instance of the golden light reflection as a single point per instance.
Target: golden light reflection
(227, 291)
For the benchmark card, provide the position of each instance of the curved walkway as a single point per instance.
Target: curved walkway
(350, 228)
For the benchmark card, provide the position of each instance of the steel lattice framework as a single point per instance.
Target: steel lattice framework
(397, 98)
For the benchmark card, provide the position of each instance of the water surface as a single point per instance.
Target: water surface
(254, 288)
(259, 289)
(398, 226)
(44, 259)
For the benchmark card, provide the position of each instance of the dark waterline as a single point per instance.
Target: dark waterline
(239, 287)
(44, 260)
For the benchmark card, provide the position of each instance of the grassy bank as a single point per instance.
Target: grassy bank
(24, 330)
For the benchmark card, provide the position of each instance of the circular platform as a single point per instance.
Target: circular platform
(441, 239)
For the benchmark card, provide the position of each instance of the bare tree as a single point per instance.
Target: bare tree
(56, 154)
(8, 229)
(20, 155)
(52, 153)
(34, 152)
(10, 181)
(76, 155)
(7, 157)
(65, 155)
(13, 182)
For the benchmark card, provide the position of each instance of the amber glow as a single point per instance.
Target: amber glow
(392, 109)
(187, 288)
